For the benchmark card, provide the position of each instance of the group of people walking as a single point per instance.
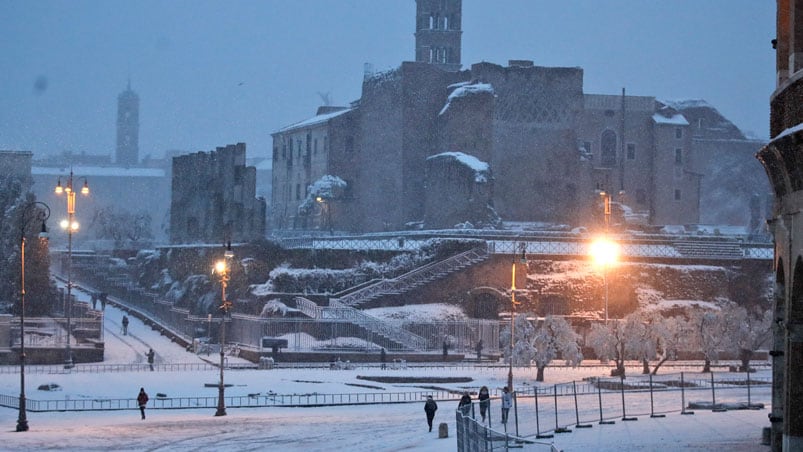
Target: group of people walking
(464, 406)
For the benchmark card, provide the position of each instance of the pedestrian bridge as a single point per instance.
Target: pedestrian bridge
(560, 245)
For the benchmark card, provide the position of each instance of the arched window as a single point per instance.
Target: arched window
(608, 149)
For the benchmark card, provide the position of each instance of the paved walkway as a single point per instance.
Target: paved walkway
(705, 430)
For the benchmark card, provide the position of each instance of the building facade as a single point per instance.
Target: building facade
(214, 199)
(782, 159)
(17, 165)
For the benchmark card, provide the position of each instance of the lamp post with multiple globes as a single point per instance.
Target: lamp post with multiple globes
(41, 212)
(70, 225)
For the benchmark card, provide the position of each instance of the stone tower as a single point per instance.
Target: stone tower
(437, 33)
(127, 128)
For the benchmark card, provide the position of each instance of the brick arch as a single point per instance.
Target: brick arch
(484, 302)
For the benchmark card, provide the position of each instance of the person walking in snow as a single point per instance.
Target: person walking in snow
(465, 404)
(142, 400)
(150, 355)
(430, 408)
(383, 357)
(479, 350)
(485, 401)
(507, 403)
(125, 325)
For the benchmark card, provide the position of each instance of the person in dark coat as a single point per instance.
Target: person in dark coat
(430, 408)
(125, 325)
(445, 349)
(142, 399)
(479, 350)
(383, 357)
(151, 355)
(465, 404)
(485, 401)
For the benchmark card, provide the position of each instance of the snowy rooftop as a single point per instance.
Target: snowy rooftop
(315, 120)
(682, 104)
(97, 171)
(676, 119)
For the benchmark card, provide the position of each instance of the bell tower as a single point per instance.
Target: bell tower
(127, 128)
(438, 33)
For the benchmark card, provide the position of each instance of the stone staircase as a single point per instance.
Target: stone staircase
(709, 249)
(413, 279)
(386, 332)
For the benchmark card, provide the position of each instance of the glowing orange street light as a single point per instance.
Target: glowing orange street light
(605, 253)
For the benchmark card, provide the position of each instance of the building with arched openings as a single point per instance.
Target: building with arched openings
(783, 161)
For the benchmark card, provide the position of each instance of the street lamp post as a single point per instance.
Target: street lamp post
(324, 202)
(71, 226)
(223, 270)
(605, 252)
(42, 214)
(513, 303)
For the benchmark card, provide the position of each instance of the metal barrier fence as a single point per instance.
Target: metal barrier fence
(246, 401)
(568, 404)
(547, 410)
(108, 368)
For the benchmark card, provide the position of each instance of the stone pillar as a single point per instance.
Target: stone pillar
(782, 41)
(778, 362)
(793, 419)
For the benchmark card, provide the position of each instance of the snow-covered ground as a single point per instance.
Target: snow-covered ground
(382, 427)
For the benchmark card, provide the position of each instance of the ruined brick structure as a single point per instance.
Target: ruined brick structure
(783, 159)
(550, 147)
(213, 198)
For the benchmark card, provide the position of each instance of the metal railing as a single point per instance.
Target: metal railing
(414, 278)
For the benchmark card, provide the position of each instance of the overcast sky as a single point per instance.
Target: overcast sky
(211, 73)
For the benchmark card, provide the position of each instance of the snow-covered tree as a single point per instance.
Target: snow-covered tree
(671, 334)
(523, 350)
(748, 331)
(554, 336)
(710, 335)
(640, 340)
(609, 342)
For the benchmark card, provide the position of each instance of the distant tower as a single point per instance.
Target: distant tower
(437, 32)
(127, 128)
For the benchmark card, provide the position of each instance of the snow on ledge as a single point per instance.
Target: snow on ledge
(479, 167)
(463, 90)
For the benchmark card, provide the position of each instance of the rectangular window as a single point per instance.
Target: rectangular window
(677, 194)
(699, 123)
(298, 192)
(275, 153)
(349, 144)
(678, 156)
(325, 143)
(587, 146)
(298, 148)
(631, 151)
(678, 133)
(315, 147)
